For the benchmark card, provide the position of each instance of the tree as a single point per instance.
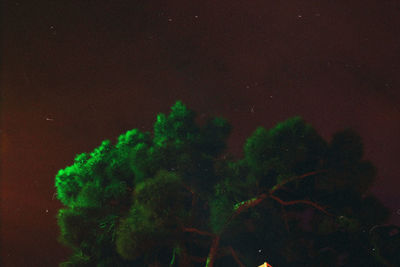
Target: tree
(173, 198)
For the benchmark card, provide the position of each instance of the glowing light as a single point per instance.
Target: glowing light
(265, 264)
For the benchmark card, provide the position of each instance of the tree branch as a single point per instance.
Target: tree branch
(294, 202)
(235, 257)
(244, 205)
(280, 185)
(197, 231)
(213, 252)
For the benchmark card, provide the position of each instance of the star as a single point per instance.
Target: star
(53, 29)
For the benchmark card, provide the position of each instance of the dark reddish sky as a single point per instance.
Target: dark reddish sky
(77, 72)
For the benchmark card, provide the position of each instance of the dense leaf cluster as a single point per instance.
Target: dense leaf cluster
(161, 198)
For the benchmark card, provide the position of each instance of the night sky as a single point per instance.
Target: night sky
(74, 73)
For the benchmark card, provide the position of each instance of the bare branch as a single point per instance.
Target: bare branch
(235, 257)
(294, 202)
(244, 205)
(280, 185)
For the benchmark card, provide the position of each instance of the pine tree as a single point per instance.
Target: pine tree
(172, 198)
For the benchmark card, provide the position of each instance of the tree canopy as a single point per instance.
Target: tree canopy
(175, 197)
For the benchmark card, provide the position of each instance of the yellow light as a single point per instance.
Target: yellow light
(265, 264)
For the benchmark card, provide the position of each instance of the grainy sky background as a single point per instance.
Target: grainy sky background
(74, 73)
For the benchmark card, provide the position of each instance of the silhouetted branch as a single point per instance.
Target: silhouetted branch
(235, 257)
(213, 252)
(294, 202)
(244, 205)
(280, 185)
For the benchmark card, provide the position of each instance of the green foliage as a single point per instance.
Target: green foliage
(290, 148)
(178, 128)
(181, 145)
(107, 171)
(132, 203)
(221, 209)
(154, 218)
(345, 149)
(77, 260)
(165, 195)
(129, 158)
(71, 222)
(213, 136)
(68, 181)
(138, 233)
